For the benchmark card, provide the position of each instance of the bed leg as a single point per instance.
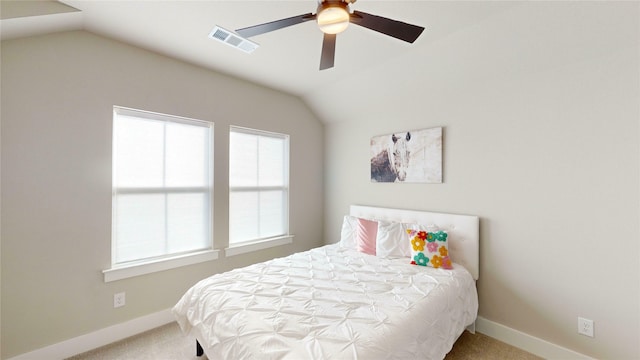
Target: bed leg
(199, 350)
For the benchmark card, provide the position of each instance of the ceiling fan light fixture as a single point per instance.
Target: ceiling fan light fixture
(333, 18)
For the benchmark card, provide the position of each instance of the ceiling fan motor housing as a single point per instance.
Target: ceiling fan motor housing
(344, 1)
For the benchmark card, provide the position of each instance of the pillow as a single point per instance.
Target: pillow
(366, 236)
(429, 248)
(391, 238)
(348, 233)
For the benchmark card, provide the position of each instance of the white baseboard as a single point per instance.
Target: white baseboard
(99, 338)
(526, 342)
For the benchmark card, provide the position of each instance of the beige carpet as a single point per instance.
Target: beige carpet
(482, 347)
(168, 343)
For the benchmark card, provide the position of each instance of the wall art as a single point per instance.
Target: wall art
(410, 157)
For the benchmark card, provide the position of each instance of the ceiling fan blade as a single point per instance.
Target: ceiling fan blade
(274, 25)
(393, 28)
(328, 51)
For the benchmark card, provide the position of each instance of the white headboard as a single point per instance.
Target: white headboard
(464, 230)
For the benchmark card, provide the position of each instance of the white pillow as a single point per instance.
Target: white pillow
(349, 232)
(391, 238)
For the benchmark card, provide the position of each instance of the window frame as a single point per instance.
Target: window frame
(126, 269)
(272, 241)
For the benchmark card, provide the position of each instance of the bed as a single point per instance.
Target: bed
(340, 302)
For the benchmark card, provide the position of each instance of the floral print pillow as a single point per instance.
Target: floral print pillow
(429, 248)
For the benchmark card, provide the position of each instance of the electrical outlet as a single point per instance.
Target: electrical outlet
(585, 327)
(119, 300)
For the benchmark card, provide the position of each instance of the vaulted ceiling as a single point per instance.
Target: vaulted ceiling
(287, 59)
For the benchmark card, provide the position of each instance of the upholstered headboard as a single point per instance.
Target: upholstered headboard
(464, 230)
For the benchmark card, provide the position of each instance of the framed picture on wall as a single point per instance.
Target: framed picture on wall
(410, 157)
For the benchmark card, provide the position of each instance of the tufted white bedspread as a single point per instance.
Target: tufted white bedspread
(330, 303)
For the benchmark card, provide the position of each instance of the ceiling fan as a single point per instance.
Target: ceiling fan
(333, 17)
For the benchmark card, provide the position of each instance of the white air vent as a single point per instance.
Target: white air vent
(232, 39)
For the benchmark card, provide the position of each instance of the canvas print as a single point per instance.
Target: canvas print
(411, 157)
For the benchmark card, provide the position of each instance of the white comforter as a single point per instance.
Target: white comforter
(330, 303)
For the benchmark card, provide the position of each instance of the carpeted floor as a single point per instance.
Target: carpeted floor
(168, 343)
(482, 347)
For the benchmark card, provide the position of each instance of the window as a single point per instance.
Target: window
(258, 187)
(162, 187)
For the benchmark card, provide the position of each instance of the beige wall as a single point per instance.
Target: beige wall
(540, 109)
(57, 97)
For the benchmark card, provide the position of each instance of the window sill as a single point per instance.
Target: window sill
(258, 245)
(127, 271)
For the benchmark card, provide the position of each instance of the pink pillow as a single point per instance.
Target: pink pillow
(366, 236)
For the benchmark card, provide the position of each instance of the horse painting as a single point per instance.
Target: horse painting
(391, 163)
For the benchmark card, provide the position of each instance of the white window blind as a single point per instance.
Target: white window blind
(258, 185)
(162, 186)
